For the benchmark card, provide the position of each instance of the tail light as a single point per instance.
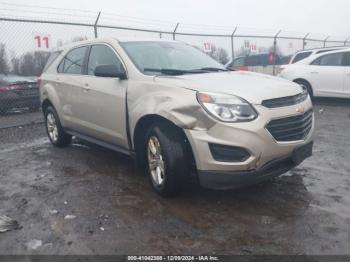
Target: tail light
(38, 80)
(280, 69)
(9, 88)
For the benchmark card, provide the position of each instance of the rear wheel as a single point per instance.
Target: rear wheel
(306, 85)
(166, 159)
(54, 129)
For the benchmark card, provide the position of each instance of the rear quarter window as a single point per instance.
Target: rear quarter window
(301, 56)
(51, 59)
(73, 62)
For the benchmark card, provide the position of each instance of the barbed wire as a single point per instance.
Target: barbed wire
(14, 10)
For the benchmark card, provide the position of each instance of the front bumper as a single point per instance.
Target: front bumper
(274, 168)
(253, 137)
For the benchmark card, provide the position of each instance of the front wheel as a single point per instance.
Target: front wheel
(54, 129)
(166, 159)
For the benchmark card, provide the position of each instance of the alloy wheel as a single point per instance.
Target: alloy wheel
(155, 161)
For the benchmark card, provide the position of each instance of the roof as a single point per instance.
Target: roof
(323, 48)
(110, 39)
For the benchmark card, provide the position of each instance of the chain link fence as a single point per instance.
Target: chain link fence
(27, 40)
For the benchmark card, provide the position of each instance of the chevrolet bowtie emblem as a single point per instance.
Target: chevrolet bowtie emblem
(300, 110)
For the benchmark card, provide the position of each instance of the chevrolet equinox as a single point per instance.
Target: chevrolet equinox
(178, 112)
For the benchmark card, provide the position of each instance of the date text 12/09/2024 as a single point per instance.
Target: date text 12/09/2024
(173, 258)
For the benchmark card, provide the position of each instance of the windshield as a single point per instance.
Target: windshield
(154, 58)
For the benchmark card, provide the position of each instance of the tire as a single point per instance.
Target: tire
(54, 129)
(305, 84)
(169, 171)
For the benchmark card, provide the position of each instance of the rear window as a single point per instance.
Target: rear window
(238, 62)
(253, 61)
(301, 56)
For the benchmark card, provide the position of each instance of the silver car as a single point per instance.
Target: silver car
(177, 111)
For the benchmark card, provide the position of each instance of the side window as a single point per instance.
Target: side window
(317, 61)
(102, 55)
(329, 60)
(301, 56)
(347, 59)
(73, 62)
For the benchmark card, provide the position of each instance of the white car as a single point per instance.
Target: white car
(325, 75)
(298, 56)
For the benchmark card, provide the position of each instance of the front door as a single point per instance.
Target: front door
(327, 75)
(104, 99)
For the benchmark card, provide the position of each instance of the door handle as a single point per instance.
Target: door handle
(86, 87)
(314, 73)
(58, 81)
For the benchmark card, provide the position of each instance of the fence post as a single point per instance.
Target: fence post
(346, 40)
(95, 25)
(174, 32)
(304, 40)
(160, 35)
(232, 46)
(274, 51)
(325, 41)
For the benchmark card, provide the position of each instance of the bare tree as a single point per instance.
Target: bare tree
(219, 54)
(4, 62)
(15, 63)
(32, 63)
(79, 38)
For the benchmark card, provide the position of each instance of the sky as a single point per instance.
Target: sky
(322, 17)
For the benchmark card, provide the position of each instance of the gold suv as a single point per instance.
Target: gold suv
(177, 111)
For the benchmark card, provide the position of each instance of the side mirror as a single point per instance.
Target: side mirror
(110, 71)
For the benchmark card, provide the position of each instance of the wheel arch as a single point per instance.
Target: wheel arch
(306, 81)
(46, 103)
(140, 131)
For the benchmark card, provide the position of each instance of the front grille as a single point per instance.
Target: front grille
(291, 128)
(285, 101)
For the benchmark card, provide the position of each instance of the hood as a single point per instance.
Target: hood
(250, 86)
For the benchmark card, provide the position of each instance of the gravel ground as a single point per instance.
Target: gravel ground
(20, 118)
(112, 209)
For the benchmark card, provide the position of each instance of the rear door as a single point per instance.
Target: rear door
(68, 85)
(326, 75)
(103, 99)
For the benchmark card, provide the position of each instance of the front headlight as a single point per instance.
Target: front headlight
(227, 108)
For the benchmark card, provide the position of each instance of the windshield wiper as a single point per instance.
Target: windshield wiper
(213, 69)
(165, 71)
(168, 71)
